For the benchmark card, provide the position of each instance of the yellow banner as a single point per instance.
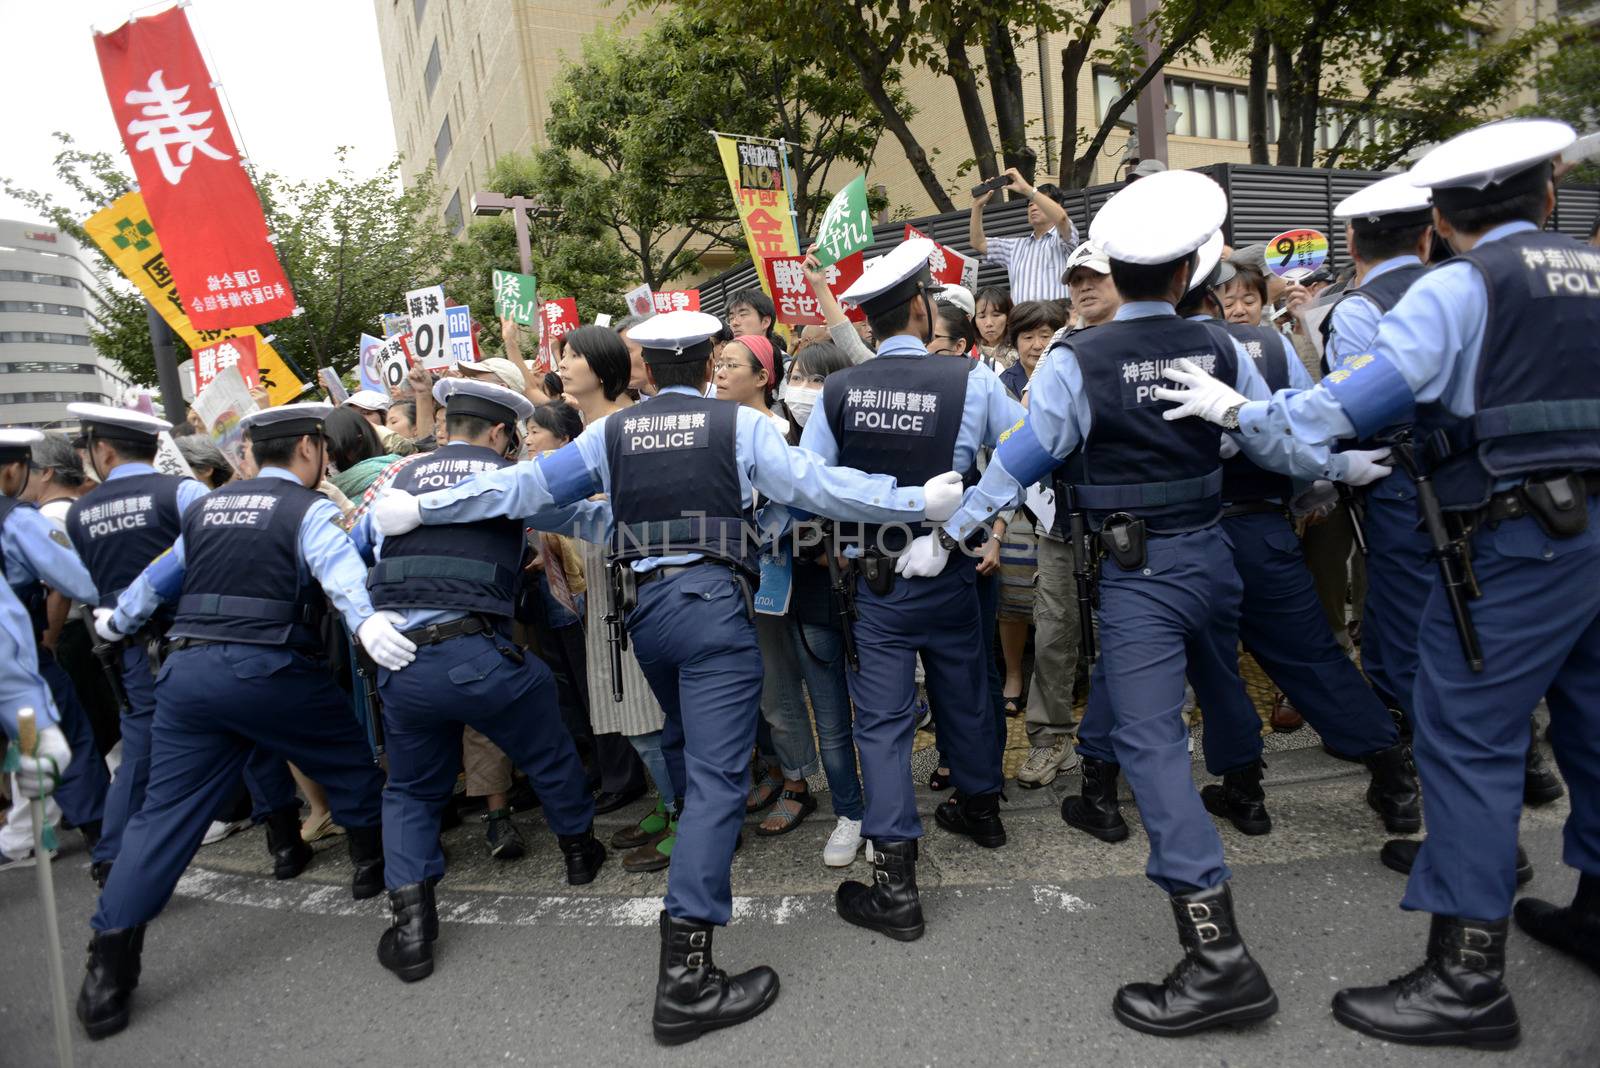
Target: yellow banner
(125, 233)
(758, 178)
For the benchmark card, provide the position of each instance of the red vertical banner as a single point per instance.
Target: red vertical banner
(556, 317)
(195, 186)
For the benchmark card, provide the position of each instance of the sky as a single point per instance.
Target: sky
(302, 77)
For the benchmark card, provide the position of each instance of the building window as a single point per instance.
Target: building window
(40, 279)
(40, 337)
(40, 367)
(419, 6)
(50, 396)
(452, 213)
(39, 307)
(430, 73)
(441, 144)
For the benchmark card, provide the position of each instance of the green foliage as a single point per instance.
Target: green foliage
(1568, 84)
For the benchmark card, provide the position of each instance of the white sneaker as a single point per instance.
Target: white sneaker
(1045, 762)
(843, 844)
(28, 859)
(221, 829)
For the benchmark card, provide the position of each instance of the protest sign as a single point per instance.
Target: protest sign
(396, 323)
(237, 352)
(393, 361)
(171, 120)
(515, 297)
(169, 461)
(125, 232)
(458, 333)
(602, 319)
(761, 194)
(557, 317)
(368, 367)
(1294, 254)
(224, 402)
(672, 300)
(641, 301)
(429, 342)
(847, 225)
(796, 304)
(946, 265)
(331, 383)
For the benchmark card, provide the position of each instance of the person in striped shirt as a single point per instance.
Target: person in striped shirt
(1035, 263)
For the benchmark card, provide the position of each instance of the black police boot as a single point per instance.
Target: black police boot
(1454, 998)
(1400, 854)
(406, 948)
(366, 856)
(693, 995)
(976, 817)
(584, 855)
(1094, 811)
(890, 905)
(1540, 783)
(91, 833)
(1393, 793)
(100, 871)
(108, 983)
(290, 854)
(1217, 982)
(1574, 930)
(1240, 798)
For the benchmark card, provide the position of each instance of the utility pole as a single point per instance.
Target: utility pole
(1151, 109)
(522, 209)
(166, 354)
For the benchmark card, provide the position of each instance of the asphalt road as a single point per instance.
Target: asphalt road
(1025, 947)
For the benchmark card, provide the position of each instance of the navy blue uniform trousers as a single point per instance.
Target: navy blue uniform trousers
(1399, 577)
(213, 703)
(469, 681)
(1539, 624)
(82, 793)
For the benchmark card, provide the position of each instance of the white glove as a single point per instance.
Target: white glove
(1229, 448)
(39, 773)
(104, 627)
(1206, 396)
(925, 559)
(1365, 466)
(386, 645)
(396, 512)
(942, 496)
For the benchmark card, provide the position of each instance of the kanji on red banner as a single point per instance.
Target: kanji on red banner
(672, 300)
(791, 292)
(948, 266)
(195, 186)
(237, 352)
(556, 317)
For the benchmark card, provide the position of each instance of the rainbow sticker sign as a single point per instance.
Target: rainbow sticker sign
(1294, 254)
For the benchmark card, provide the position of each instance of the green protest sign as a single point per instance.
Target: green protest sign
(846, 225)
(514, 297)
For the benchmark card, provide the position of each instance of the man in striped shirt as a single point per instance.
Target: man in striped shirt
(1035, 263)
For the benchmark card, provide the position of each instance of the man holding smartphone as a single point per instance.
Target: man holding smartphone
(1037, 262)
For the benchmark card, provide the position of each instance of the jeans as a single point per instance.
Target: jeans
(786, 738)
(821, 661)
(648, 746)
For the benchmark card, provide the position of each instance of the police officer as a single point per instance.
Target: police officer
(1152, 488)
(911, 415)
(249, 575)
(680, 468)
(37, 553)
(1494, 352)
(450, 591)
(39, 773)
(118, 527)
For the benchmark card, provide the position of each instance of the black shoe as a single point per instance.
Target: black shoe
(693, 995)
(108, 983)
(890, 905)
(290, 854)
(1217, 982)
(1240, 798)
(91, 833)
(584, 855)
(406, 948)
(976, 817)
(1095, 811)
(505, 841)
(1574, 930)
(1393, 793)
(1540, 783)
(366, 855)
(1456, 997)
(1400, 854)
(611, 800)
(100, 871)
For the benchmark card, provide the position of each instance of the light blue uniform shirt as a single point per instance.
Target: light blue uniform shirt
(1425, 351)
(1354, 323)
(31, 551)
(326, 552)
(765, 462)
(20, 684)
(1058, 422)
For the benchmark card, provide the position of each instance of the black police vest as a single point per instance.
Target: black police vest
(675, 482)
(472, 567)
(1242, 480)
(242, 580)
(30, 593)
(1383, 292)
(120, 526)
(1129, 442)
(1537, 395)
(897, 416)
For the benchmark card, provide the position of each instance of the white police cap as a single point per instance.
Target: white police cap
(369, 400)
(118, 424)
(16, 444)
(487, 400)
(1209, 269)
(892, 278)
(676, 336)
(1396, 200)
(1490, 154)
(1160, 218)
(286, 420)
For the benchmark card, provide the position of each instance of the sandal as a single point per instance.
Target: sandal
(1013, 706)
(764, 791)
(939, 780)
(791, 818)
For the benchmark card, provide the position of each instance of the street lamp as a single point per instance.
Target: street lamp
(487, 202)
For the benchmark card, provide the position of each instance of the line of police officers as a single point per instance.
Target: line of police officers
(1491, 357)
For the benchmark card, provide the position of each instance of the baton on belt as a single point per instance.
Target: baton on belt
(28, 742)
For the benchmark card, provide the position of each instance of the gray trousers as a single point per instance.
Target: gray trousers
(1055, 644)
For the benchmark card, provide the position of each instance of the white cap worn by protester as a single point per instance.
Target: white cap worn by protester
(893, 278)
(1160, 218)
(1090, 255)
(369, 400)
(497, 368)
(960, 296)
(487, 400)
(676, 336)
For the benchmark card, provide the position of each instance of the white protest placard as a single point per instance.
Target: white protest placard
(169, 461)
(393, 360)
(458, 333)
(429, 327)
(224, 402)
(640, 301)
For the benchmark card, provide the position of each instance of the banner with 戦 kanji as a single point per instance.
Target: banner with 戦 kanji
(212, 360)
(199, 194)
(946, 265)
(125, 233)
(792, 296)
(761, 194)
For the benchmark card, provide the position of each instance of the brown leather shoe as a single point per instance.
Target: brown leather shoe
(1285, 719)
